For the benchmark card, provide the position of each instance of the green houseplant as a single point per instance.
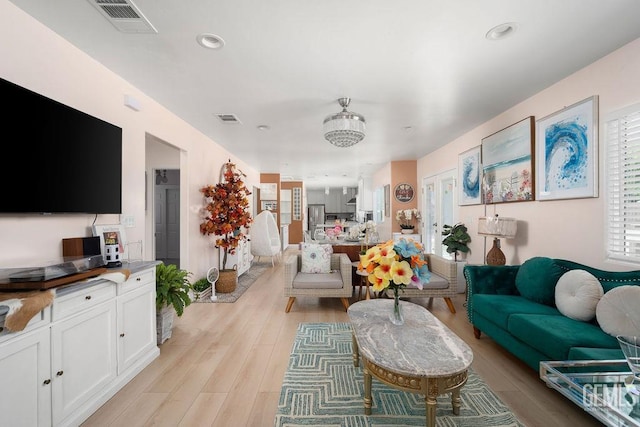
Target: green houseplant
(172, 296)
(456, 239)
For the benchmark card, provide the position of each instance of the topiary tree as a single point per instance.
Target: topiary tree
(227, 210)
(456, 239)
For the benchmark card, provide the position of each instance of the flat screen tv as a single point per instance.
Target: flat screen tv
(62, 160)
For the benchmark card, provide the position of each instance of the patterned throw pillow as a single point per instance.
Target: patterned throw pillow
(316, 258)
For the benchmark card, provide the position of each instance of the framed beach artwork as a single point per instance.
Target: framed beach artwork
(469, 169)
(567, 152)
(508, 164)
(112, 234)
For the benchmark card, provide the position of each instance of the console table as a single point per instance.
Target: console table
(422, 356)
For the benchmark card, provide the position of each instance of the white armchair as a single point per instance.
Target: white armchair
(265, 237)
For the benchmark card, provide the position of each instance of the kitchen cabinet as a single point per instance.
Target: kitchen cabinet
(77, 353)
(364, 200)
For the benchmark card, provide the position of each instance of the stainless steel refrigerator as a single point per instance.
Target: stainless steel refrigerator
(316, 216)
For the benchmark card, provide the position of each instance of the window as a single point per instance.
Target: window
(622, 134)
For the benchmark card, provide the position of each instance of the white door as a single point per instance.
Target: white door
(439, 208)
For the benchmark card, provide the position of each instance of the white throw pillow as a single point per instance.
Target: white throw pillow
(577, 294)
(618, 311)
(316, 258)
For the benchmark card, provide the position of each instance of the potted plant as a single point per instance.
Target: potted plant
(456, 239)
(407, 219)
(227, 217)
(172, 296)
(201, 289)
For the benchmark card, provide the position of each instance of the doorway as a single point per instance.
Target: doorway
(167, 215)
(439, 207)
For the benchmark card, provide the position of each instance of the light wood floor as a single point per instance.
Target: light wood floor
(225, 362)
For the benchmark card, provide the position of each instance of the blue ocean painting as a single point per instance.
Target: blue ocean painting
(566, 156)
(471, 176)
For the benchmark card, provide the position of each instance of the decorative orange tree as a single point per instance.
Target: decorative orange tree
(227, 210)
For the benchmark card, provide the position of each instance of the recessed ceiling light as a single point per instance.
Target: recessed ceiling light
(501, 31)
(263, 127)
(210, 41)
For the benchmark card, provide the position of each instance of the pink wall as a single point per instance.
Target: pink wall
(570, 229)
(42, 61)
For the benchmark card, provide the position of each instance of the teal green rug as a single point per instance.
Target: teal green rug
(321, 387)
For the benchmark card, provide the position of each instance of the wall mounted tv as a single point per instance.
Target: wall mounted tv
(64, 161)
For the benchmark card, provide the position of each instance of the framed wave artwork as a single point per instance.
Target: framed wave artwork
(567, 152)
(469, 168)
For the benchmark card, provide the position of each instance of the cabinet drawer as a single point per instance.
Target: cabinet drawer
(82, 299)
(137, 280)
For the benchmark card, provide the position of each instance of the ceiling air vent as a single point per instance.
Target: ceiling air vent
(124, 15)
(228, 118)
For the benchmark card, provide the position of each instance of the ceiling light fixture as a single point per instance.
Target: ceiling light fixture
(210, 41)
(501, 31)
(344, 129)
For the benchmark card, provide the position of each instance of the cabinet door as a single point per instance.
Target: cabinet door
(83, 357)
(25, 399)
(136, 325)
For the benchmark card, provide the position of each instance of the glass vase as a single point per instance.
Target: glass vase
(396, 316)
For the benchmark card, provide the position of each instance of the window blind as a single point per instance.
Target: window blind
(622, 134)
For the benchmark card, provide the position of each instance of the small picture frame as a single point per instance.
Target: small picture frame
(567, 152)
(469, 177)
(111, 233)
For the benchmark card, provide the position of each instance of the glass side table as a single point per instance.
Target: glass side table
(604, 388)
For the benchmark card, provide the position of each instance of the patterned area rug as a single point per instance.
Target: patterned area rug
(244, 282)
(322, 388)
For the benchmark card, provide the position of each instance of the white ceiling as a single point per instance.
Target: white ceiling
(420, 71)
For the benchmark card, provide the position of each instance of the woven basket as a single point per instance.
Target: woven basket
(227, 281)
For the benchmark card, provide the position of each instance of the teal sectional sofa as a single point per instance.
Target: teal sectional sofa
(514, 305)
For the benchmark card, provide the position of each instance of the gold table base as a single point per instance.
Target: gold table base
(431, 388)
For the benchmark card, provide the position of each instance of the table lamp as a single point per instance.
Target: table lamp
(497, 227)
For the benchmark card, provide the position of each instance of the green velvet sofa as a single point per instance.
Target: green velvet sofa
(514, 305)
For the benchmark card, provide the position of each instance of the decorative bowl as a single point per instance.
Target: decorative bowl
(630, 346)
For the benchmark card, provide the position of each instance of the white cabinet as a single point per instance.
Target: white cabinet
(241, 259)
(136, 319)
(364, 200)
(93, 339)
(25, 369)
(83, 358)
(284, 236)
(285, 206)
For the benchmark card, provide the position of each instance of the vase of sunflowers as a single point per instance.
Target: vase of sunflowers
(394, 266)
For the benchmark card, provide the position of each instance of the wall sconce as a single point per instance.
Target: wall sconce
(497, 227)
